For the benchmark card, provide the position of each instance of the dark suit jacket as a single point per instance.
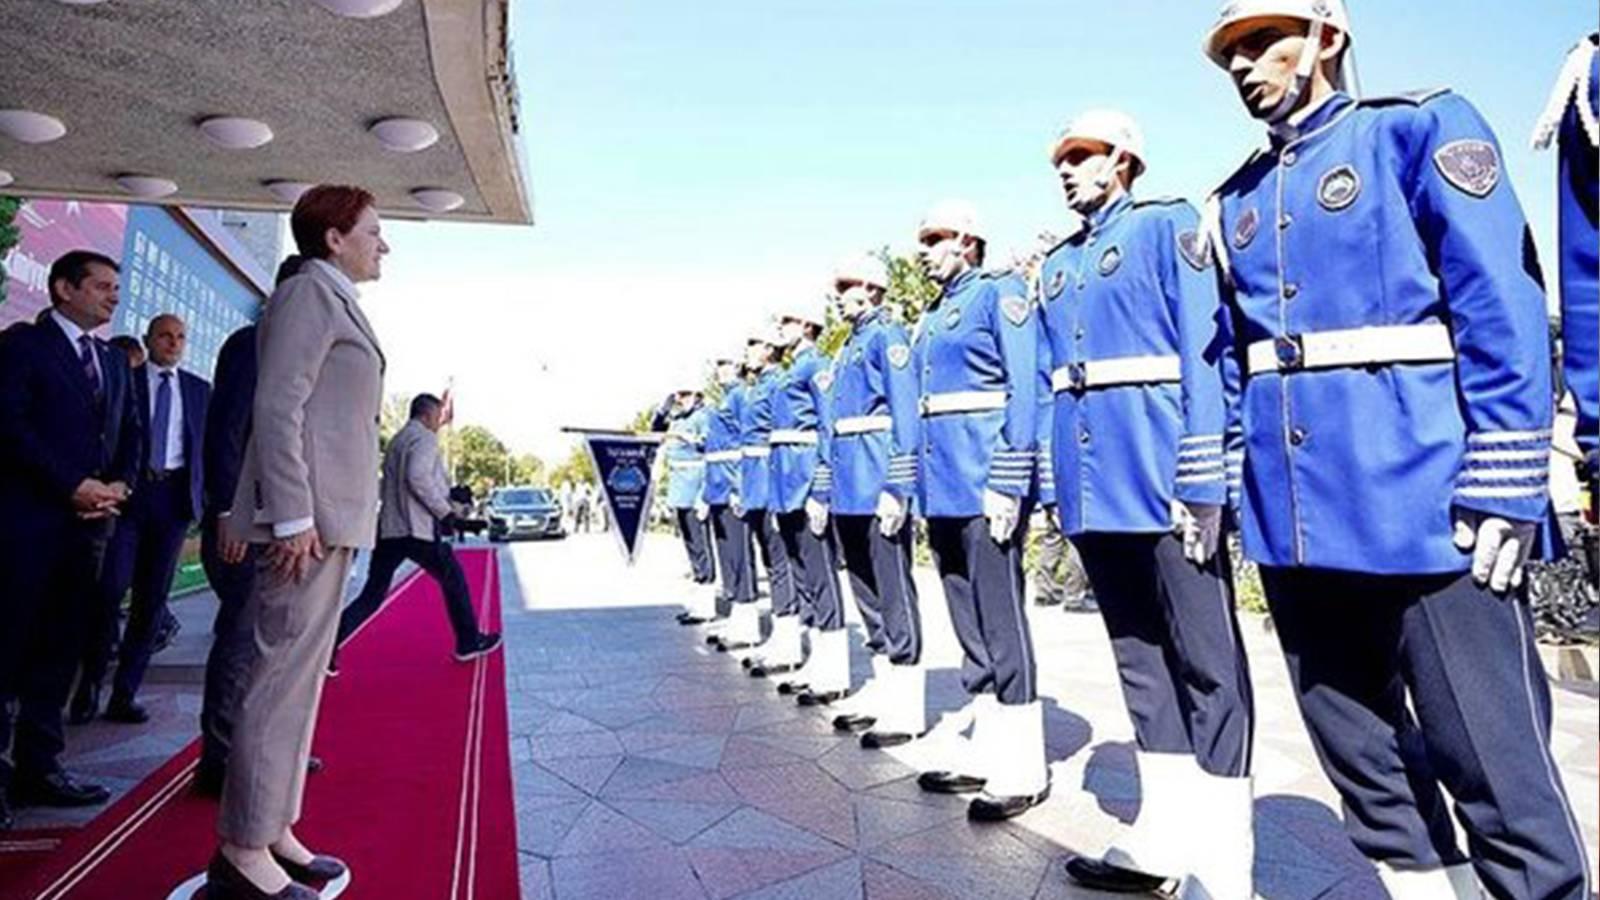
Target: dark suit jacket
(52, 433)
(196, 397)
(228, 420)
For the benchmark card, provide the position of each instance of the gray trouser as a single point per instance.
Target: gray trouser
(233, 649)
(295, 623)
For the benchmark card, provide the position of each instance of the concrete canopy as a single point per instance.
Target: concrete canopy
(132, 80)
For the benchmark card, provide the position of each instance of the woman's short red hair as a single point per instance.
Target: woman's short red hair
(326, 206)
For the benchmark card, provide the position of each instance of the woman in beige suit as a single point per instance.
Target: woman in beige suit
(309, 492)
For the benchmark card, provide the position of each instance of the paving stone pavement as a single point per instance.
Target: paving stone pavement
(648, 765)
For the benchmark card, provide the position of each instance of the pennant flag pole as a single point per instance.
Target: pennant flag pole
(624, 464)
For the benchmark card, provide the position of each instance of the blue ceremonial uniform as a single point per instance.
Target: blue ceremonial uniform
(1580, 242)
(800, 470)
(723, 460)
(1391, 337)
(684, 452)
(874, 397)
(755, 487)
(976, 355)
(1131, 353)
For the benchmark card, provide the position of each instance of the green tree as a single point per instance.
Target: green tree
(391, 418)
(10, 236)
(577, 468)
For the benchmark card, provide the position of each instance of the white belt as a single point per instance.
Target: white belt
(962, 402)
(1114, 371)
(862, 425)
(1377, 345)
(686, 463)
(722, 456)
(794, 437)
(757, 451)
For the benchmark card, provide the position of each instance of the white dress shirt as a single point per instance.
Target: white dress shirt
(175, 457)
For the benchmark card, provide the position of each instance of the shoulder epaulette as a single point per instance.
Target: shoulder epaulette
(1408, 98)
(1159, 201)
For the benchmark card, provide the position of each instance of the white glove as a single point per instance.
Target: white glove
(1002, 512)
(891, 515)
(735, 505)
(816, 516)
(1500, 547)
(701, 510)
(1200, 525)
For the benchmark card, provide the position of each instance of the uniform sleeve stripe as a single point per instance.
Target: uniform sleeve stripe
(1200, 453)
(1505, 474)
(1507, 437)
(1487, 456)
(1200, 439)
(1503, 492)
(1213, 466)
(1199, 479)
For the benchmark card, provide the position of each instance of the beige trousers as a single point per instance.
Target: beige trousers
(295, 624)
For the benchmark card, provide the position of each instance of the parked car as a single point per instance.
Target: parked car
(516, 512)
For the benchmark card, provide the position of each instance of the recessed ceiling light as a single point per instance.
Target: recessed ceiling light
(30, 127)
(5, 178)
(437, 199)
(147, 187)
(360, 9)
(288, 191)
(405, 135)
(234, 133)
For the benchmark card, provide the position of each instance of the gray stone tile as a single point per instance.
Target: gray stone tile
(637, 773)
(534, 873)
(779, 875)
(602, 829)
(882, 821)
(881, 882)
(700, 753)
(751, 829)
(540, 830)
(969, 876)
(742, 752)
(588, 743)
(661, 874)
(586, 773)
(708, 787)
(675, 820)
(859, 769)
(563, 722)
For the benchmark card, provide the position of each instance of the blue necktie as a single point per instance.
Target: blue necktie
(158, 424)
(90, 370)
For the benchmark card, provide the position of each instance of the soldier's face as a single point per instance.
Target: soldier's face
(790, 331)
(854, 298)
(942, 255)
(1085, 171)
(727, 373)
(1262, 62)
(755, 355)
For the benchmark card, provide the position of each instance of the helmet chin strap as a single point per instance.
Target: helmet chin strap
(1302, 76)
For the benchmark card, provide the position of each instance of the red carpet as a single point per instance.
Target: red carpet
(416, 796)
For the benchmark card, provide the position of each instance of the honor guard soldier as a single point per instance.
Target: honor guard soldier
(875, 428)
(1573, 119)
(723, 459)
(976, 357)
(1396, 415)
(801, 482)
(1132, 469)
(686, 421)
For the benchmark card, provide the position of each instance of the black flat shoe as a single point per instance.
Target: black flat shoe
(950, 783)
(792, 687)
(59, 790)
(883, 740)
(224, 882)
(820, 698)
(766, 670)
(1103, 876)
(318, 872)
(998, 809)
(853, 723)
(126, 712)
(747, 662)
(485, 644)
(713, 640)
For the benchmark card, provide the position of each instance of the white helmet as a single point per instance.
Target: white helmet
(1327, 13)
(865, 268)
(958, 216)
(795, 314)
(1113, 128)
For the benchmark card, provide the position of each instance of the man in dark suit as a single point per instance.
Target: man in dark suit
(69, 453)
(146, 542)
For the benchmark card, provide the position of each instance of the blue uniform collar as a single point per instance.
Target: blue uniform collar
(877, 314)
(961, 281)
(1103, 216)
(1331, 108)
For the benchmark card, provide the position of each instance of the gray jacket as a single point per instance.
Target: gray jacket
(416, 493)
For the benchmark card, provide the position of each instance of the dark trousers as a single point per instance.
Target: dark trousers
(142, 555)
(780, 581)
(233, 649)
(435, 557)
(49, 580)
(1359, 647)
(880, 577)
(1179, 653)
(813, 570)
(733, 555)
(697, 543)
(983, 585)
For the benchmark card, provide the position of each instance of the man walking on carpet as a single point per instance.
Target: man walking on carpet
(415, 518)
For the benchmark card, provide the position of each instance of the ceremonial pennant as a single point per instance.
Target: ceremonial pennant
(623, 463)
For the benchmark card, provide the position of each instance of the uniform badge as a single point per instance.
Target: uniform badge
(1110, 260)
(1015, 309)
(1057, 282)
(899, 355)
(1471, 166)
(951, 319)
(1338, 188)
(1245, 231)
(824, 380)
(1195, 250)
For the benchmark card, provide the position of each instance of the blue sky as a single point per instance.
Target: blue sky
(696, 167)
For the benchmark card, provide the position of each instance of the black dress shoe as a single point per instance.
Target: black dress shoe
(747, 662)
(765, 670)
(57, 789)
(883, 740)
(127, 712)
(1103, 876)
(950, 783)
(85, 704)
(224, 882)
(998, 809)
(792, 687)
(313, 765)
(820, 698)
(713, 639)
(318, 872)
(483, 645)
(853, 723)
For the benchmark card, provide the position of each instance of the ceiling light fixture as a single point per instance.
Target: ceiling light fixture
(147, 187)
(404, 135)
(360, 9)
(5, 178)
(437, 200)
(30, 127)
(288, 191)
(235, 133)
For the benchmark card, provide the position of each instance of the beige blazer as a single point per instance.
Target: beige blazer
(313, 451)
(416, 492)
